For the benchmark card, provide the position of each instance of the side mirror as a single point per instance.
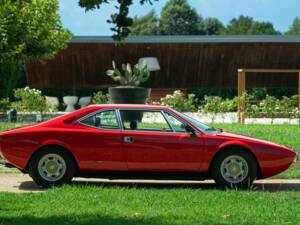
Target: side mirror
(189, 130)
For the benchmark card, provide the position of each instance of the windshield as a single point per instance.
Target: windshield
(203, 127)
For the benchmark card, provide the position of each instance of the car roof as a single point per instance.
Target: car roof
(129, 106)
(73, 116)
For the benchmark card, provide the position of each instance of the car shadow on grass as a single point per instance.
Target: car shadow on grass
(210, 185)
(83, 219)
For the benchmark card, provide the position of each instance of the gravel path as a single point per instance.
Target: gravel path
(19, 183)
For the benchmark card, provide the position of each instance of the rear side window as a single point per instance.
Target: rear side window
(143, 120)
(105, 120)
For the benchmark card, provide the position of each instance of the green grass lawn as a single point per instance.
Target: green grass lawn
(124, 205)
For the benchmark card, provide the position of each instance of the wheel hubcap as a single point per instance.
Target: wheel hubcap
(234, 169)
(52, 167)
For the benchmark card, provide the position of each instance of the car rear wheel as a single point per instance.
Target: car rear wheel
(51, 167)
(234, 168)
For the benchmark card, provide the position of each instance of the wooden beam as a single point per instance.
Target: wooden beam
(299, 90)
(270, 70)
(242, 85)
(241, 91)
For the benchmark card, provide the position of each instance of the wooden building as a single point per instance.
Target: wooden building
(185, 61)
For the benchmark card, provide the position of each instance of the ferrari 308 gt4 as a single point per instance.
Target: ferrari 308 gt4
(139, 141)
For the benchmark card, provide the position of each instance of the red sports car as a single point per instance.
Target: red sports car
(139, 141)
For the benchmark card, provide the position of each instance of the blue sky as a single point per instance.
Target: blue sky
(280, 12)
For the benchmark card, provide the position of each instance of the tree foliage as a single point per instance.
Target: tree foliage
(30, 30)
(245, 25)
(178, 18)
(120, 19)
(145, 25)
(295, 28)
(212, 26)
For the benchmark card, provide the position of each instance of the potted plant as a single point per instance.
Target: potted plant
(129, 91)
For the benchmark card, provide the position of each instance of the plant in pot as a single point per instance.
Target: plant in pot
(129, 92)
(130, 78)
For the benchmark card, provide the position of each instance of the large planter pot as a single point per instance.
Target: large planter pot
(70, 101)
(129, 95)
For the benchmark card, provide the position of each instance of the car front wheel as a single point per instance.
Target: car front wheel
(51, 167)
(234, 168)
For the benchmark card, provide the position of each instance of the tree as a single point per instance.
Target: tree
(212, 26)
(30, 30)
(263, 28)
(120, 19)
(178, 18)
(145, 25)
(245, 25)
(295, 28)
(241, 25)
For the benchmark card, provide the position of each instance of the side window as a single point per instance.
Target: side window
(177, 124)
(144, 120)
(104, 120)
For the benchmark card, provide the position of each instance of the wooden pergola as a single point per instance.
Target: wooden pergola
(242, 85)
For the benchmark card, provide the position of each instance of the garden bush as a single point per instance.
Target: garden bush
(230, 93)
(100, 98)
(270, 106)
(253, 105)
(180, 102)
(4, 105)
(30, 100)
(215, 104)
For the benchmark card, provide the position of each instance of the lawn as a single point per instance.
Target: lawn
(129, 205)
(284, 134)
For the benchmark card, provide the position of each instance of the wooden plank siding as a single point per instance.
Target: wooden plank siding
(183, 65)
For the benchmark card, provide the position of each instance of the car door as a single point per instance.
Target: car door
(151, 143)
(98, 142)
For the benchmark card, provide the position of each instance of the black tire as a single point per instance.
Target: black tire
(248, 179)
(66, 177)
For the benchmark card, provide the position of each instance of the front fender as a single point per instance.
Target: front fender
(235, 144)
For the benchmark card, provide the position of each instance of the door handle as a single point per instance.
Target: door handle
(128, 139)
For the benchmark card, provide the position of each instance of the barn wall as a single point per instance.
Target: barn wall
(183, 65)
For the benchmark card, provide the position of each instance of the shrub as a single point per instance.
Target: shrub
(30, 100)
(4, 105)
(100, 98)
(215, 104)
(180, 102)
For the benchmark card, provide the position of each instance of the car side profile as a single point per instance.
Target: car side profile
(139, 141)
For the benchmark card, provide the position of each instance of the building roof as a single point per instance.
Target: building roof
(194, 39)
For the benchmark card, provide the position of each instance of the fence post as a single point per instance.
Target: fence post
(299, 89)
(241, 91)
